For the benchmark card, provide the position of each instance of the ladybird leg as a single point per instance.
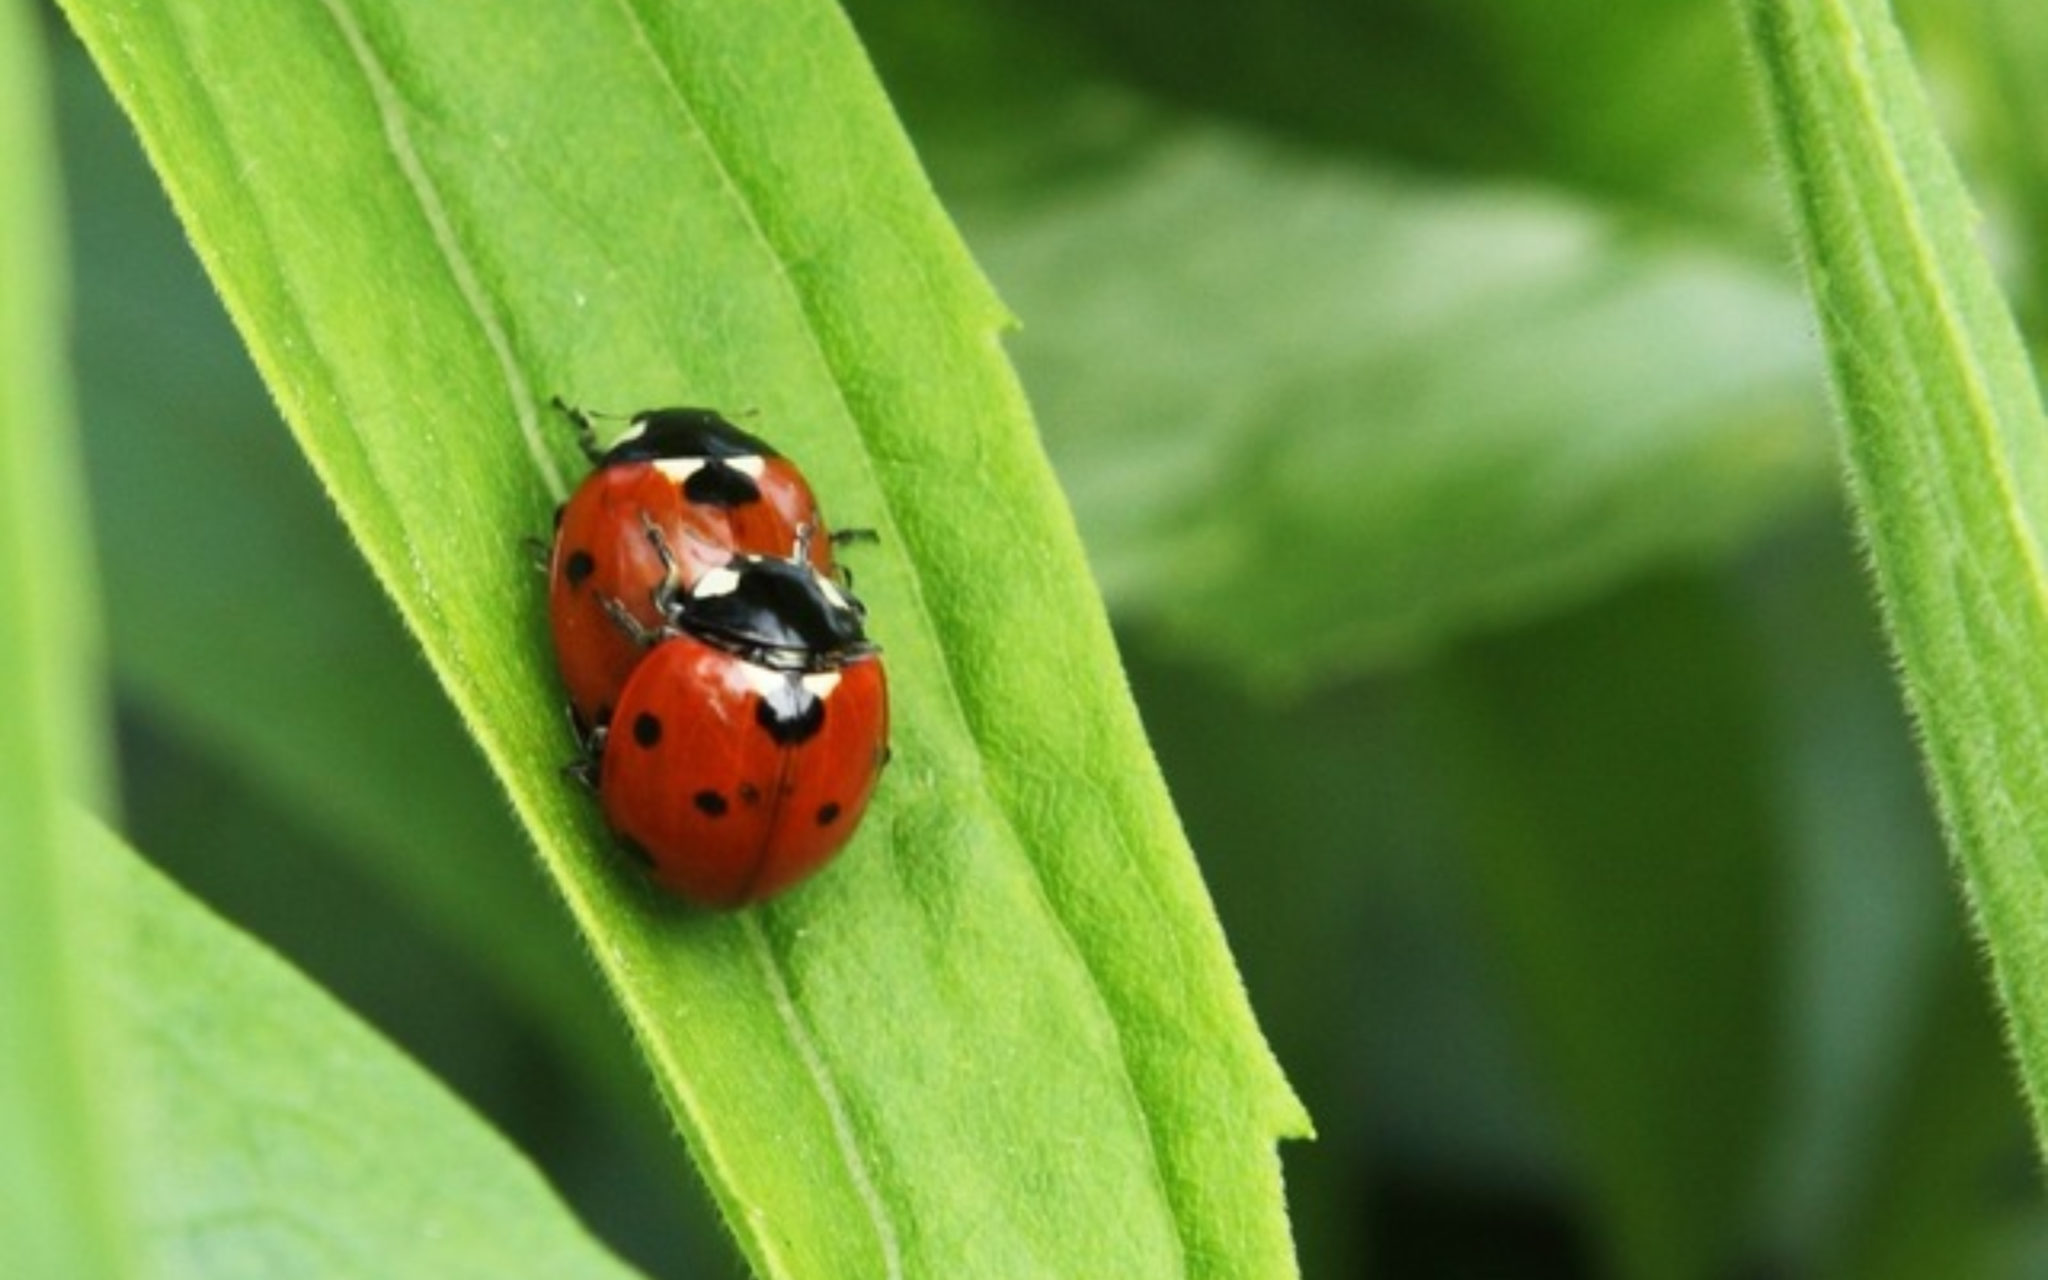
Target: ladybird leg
(622, 618)
(583, 769)
(536, 552)
(579, 422)
(846, 538)
(671, 585)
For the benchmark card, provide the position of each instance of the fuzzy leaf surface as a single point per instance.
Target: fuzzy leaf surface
(1947, 449)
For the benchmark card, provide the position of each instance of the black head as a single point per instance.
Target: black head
(778, 613)
(684, 433)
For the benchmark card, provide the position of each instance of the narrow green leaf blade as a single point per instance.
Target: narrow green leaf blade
(57, 1216)
(1948, 453)
(1003, 1031)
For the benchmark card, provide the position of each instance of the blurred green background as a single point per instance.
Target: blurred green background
(1447, 431)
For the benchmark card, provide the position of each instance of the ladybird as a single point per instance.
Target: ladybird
(745, 745)
(711, 488)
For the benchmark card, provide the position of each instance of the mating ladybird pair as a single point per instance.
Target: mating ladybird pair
(732, 712)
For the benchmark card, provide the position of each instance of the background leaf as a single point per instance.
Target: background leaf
(264, 1132)
(841, 1136)
(1609, 900)
(1430, 448)
(58, 1217)
(1254, 350)
(1992, 107)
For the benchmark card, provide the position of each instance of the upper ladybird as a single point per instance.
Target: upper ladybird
(709, 488)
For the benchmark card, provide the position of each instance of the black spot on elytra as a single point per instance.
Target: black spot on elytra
(646, 728)
(709, 803)
(577, 567)
(791, 714)
(750, 795)
(719, 484)
(828, 813)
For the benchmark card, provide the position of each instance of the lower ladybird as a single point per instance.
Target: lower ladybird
(748, 739)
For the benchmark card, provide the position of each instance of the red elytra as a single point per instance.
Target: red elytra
(708, 489)
(735, 780)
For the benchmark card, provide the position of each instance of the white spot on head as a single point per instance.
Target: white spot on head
(718, 582)
(679, 469)
(821, 684)
(831, 591)
(750, 465)
(634, 430)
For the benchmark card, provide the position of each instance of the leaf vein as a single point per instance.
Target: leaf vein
(391, 115)
(828, 1093)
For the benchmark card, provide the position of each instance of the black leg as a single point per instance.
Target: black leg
(671, 585)
(536, 552)
(583, 769)
(579, 422)
(623, 619)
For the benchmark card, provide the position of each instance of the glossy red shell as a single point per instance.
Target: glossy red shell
(601, 551)
(725, 813)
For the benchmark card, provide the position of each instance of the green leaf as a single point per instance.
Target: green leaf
(1948, 454)
(265, 1132)
(1004, 1026)
(1407, 395)
(57, 1216)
